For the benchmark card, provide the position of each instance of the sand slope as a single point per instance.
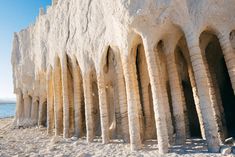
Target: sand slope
(35, 142)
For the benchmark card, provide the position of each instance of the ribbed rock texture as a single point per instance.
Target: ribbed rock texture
(129, 69)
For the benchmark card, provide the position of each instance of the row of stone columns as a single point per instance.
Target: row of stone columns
(60, 108)
(202, 92)
(60, 93)
(159, 96)
(28, 111)
(204, 89)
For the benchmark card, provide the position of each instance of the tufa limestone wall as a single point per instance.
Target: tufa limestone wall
(133, 70)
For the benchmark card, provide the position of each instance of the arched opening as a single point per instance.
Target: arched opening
(70, 95)
(30, 107)
(160, 57)
(20, 108)
(95, 105)
(44, 114)
(36, 111)
(27, 108)
(112, 76)
(220, 81)
(147, 119)
(183, 67)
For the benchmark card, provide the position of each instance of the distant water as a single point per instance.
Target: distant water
(7, 110)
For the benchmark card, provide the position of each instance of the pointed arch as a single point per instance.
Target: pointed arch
(115, 95)
(145, 107)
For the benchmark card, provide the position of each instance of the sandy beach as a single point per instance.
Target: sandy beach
(35, 142)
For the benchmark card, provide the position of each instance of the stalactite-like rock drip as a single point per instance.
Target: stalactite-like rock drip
(137, 70)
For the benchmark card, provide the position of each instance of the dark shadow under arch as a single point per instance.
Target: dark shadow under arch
(95, 102)
(191, 112)
(221, 81)
(147, 119)
(44, 113)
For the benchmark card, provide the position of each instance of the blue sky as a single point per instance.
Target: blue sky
(14, 16)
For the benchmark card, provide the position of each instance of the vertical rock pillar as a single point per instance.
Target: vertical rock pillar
(58, 100)
(19, 109)
(229, 56)
(77, 85)
(133, 102)
(204, 92)
(88, 107)
(50, 103)
(159, 98)
(177, 95)
(123, 103)
(27, 109)
(65, 97)
(104, 117)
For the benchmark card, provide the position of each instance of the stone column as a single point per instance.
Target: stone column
(178, 100)
(19, 109)
(58, 101)
(123, 103)
(65, 97)
(27, 109)
(196, 100)
(77, 85)
(149, 123)
(204, 92)
(87, 86)
(159, 98)
(169, 122)
(229, 56)
(146, 107)
(216, 100)
(104, 116)
(133, 102)
(71, 110)
(50, 103)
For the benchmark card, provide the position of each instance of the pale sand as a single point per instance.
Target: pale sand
(35, 142)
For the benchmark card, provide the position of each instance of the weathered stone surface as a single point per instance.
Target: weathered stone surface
(117, 69)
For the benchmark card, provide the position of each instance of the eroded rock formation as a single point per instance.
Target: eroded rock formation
(133, 70)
